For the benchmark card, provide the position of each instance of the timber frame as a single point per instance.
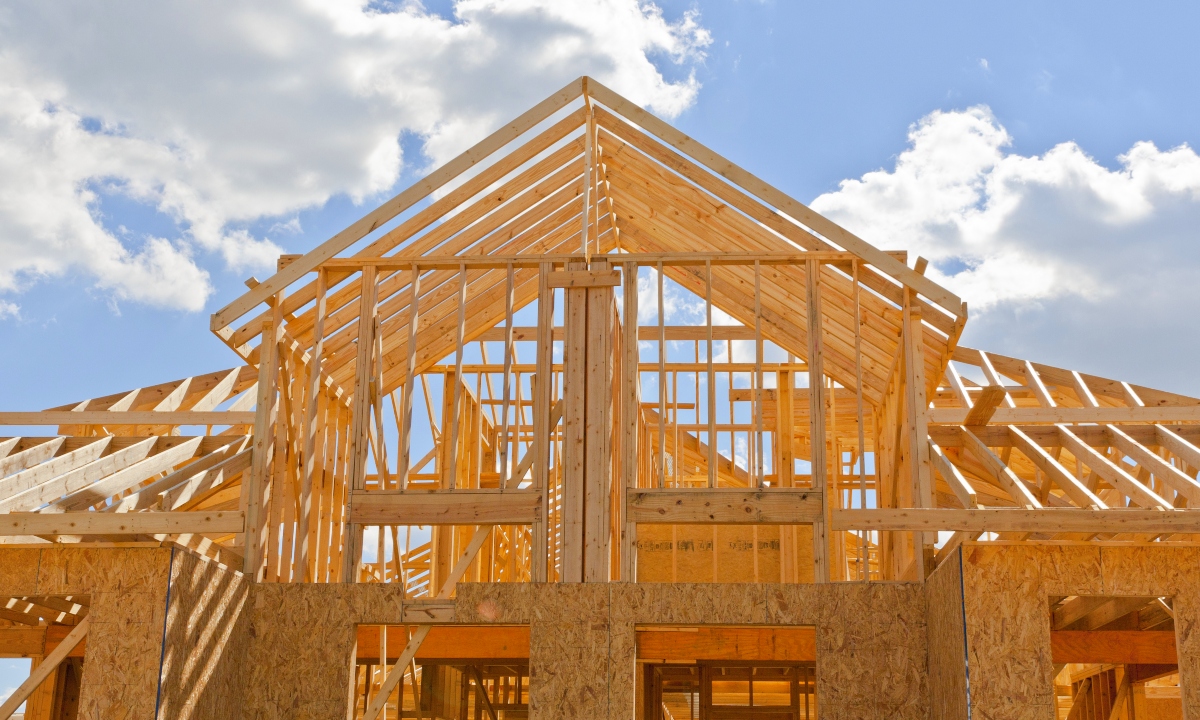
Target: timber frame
(829, 399)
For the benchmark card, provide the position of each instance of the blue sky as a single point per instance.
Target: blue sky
(1032, 150)
(807, 95)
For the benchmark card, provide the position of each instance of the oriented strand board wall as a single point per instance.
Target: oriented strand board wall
(582, 653)
(206, 641)
(302, 641)
(947, 640)
(128, 589)
(1006, 590)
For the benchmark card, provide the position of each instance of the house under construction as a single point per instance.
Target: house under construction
(593, 423)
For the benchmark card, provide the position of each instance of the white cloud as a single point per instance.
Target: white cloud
(221, 114)
(1061, 258)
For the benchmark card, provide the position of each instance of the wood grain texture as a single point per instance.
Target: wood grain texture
(454, 507)
(725, 506)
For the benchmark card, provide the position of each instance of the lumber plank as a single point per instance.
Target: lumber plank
(1133, 647)
(775, 644)
(136, 523)
(106, 417)
(455, 507)
(1040, 520)
(724, 506)
(1055, 415)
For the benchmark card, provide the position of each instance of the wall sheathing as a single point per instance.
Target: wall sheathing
(291, 645)
(206, 641)
(1006, 591)
(128, 589)
(946, 632)
(870, 638)
(302, 643)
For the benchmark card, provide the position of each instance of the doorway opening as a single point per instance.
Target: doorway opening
(726, 673)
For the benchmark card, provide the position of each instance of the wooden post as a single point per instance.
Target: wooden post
(507, 388)
(864, 548)
(630, 412)
(758, 381)
(255, 491)
(453, 439)
(360, 418)
(597, 432)
(816, 410)
(711, 390)
(311, 428)
(585, 216)
(918, 425)
(662, 384)
(542, 388)
(575, 377)
(785, 429)
(410, 379)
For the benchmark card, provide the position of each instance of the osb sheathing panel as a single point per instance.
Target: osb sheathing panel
(947, 641)
(206, 641)
(302, 640)
(1006, 591)
(582, 653)
(128, 588)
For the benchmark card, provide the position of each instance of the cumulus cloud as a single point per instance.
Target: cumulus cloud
(222, 114)
(1060, 257)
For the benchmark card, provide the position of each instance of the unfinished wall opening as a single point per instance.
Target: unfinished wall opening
(1115, 658)
(49, 634)
(458, 672)
(719, 673)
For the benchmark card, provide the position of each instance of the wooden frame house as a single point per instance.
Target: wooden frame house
(591, 422)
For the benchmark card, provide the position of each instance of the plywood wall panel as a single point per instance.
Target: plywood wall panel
(506, 603)
(206, 640)
(871, 639)
(128, 589)
(19, 570)
(871, 651)
(1006, 592)
(946, 633)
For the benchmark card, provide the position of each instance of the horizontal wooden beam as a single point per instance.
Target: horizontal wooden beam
(449, 642)
(138, 417)
(22, 642)
(724, 506)
(445, 507)
(1131, 647)
(999, 436)
(1051, 520)
(1043, 415)
(55, 634)
(687, 645)
(645, 332)
(127, 523)
(583, 279)
(500, 261)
